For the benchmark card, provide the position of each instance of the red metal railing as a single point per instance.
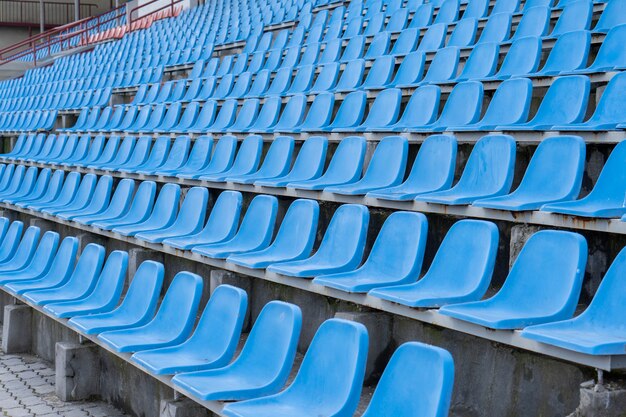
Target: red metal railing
(26, 12)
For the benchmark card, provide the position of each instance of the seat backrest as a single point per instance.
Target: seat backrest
(351, 75)
(444, 65)
(481, 62)
(575, 16)
(611, 54)
(569, 53)
(464, 32)
(385, 108)
(410, 70)
(614, 15)
(463, 105)
(350, 113)
(497, 28)
(448, 12)
(611, 184)
(406, 42)
(434, 37)
(418, 380)
(565, 102)
(522, 58)
(510, 103)
(535, 22)
(422, 108)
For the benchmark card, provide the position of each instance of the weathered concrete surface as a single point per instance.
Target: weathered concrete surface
(183, 408)
(17, 329)
(77, 371)
(608, 400)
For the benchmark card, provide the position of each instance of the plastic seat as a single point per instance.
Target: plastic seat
(37, 188)
(198, 159)
(510, 104)
(118, 205)
(213, 342)
(137, 307)
(569, 54)
(308, 165)
(481, 62)
(255, 232)
(418, 380)
(396, 256)
(450, 278)
(139, 210)
(351, 77)
(383, 112)
(565, 102)
(487, 173)
(115, 153)
(276, 163)
(410, 70)
(422, 109)
(176, 157)
(462, 107)
(187, 120)
(74, 202)
(163, 213)
(246, 117)
(611, 55)
(551, 262)
(599, 330)
(354, 49)
(103, 296)
(61, 197)
(522, 59)
(337, 355)
(268, 115)
(433, 170)
(224, 119)
(246, 162)
(344, 168)
(443, 67)
(535, 22)
(262, 367)
(189, 220)
(575, 16)
(327, 78)
(294, 240)
(614, 15)
(379, 46)
(350, 112)
(380, 74)
(561, 159)
(36, 263)
(302, 81)
(80, 282)
(405, 43)
(464, 33)
(497, 29)
(386, 168)
(172, 323)
(434, 37)
(206, 117)
(97, 203)
(292, 115)
(319, 115)
(609, 110)
(239, 89)
(341, 248)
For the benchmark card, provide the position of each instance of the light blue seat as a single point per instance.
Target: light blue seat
(522, 58)
(308, 165)
(224, 118)
(36, 188)
(351, 77)
(220, 161)
(599, 330)
(246, 117)
(383, 112)
(576, 15)
(113, 155)
(174, 158)
(246, 161)
(80, 281)
(386, 168)
(188, 118)
(117, 206)
(337, 355)
(36, 264)
(559, 158)
(95, 150)
(614, 15)
(239, 89)
(77, 201)
(417, 381)
(535, 21)
(255, 232)
(606, 199)
(510, 104)
(448, 11)
(198, 159)
(189, 219)
(12, 240)
(422, 109)
(380, 73)
(75, 148)
(379, 46)
(434, 37)
(464, 33)
(102, 297)
(262, 367)
(276, 163)
(155, 119)
(137, 307)
(163, 213)
(60, 269)
(97, 203)
(396, 256)
(293, 114)
(170, 326)
(564, 103)
(609, 110)
(221, 225)
(451, 279)
(354, 49)
(139, 210)
(487, 173)
(611, 55)
(344, 168)
(294, 239)
(551, 262)
(497, 29)
(212, 343)
(410, 70)
(329, 74)
(433, 170)
(319, 115)
(405, 43)
(443, 67)
(350, 112)
(62, 196)
(341, 248)
(302, 81)
(268, 115)
(462, 107)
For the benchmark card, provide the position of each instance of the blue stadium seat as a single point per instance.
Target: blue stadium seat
(176, 157)
(598, 329)
(450, 279)
(329, 74)
(464, 33)
(97, 203)
(198, 159)
(172, 323)
(221, 225)
(497, 29)
(139, 210)
(609, 110)
(337, 354)
(350, 79)
(34, 265)
(187, 119)
(443, 66)
(380, 73)
(255, 232)
(406, 42)
(614, 15)
(294, 239)
(350, 112)
(206, 117)
(341, 248)
(292, 115)
(561, 159)
(276, 163)
(143, 160)
(246, 117)
(410, 70)
(213, 341)
(136, 309)
(611, 55)
(268, 354)
(422, 109)
(246, 162)
(522, 59)
(569, 54)
(77, 201)
(551, 262)
(434, 37)
(509, 105)
(224, 119)
(61, 197)
(386, 168)
(418, 380)
(319, 115)
(118, 205)
(494, 154)
(396, 256)
(575, 16)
